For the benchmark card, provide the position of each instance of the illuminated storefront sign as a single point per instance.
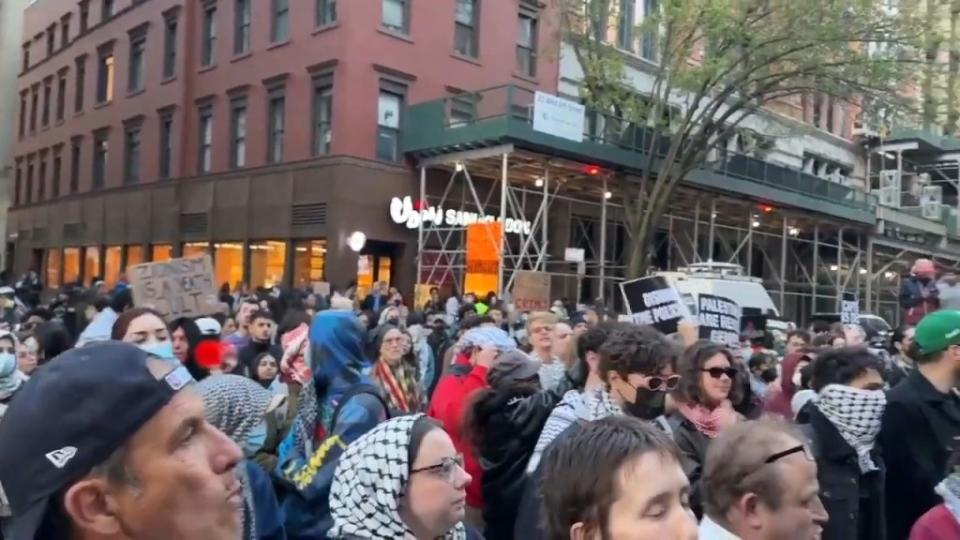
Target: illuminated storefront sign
(402, 212)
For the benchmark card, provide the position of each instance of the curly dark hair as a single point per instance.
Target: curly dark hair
(690, 369)
(636, 349)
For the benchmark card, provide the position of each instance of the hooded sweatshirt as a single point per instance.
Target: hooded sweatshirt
(778, 400)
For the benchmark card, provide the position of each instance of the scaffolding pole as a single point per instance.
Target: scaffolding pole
(696, 232)
(839, 283)
(749, 241)
(603, 242)
(783, 267)
(870, 278)
(713, 219)
(503, 219)
(816, 267)
(542, 260)
(423, 197)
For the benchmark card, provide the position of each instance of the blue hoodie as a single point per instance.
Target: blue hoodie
(308, 455)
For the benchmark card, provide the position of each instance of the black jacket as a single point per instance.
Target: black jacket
(509, 438)
(855, 502)
(917, 436)
(530, 519)
(693, 452)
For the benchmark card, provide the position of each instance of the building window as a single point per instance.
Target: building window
(105, 74)
(465, 28)
(34, 107)
(238, 133)
(64, 33)
(209, 35)
(80, 80)
(51, 39)
(650, 40)
(161, 252)
(28, 190)
(106, 10)
(57, 168)
(396, 15)
(42, 177)
(166, 145)
(61, 95)
(138, 46)
(25, 60)
(17, 183)
(75, 149)
(527, 44)
(205, 151)
(228, 262)
(280, 26)
(169, 47)
(71, 265)
(817, 116)
(134, 256)
(84, 16)
(326, 12)
(100, 148)
(268, 261)
(47, 96)
(91, 264)
(241, 36)
(54, 259)
(22, 129)
(195, 249)
(388, 121)
(112, 260)
(626, 21)
(308, 260)
(276, 107)
(322, 115)
(131, 157)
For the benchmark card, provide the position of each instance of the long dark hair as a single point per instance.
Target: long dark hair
(193, 335)
(52, 340)
(122, 323)
(690, 368)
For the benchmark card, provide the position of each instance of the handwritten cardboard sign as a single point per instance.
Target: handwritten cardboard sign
(176, 288)
(531, 291)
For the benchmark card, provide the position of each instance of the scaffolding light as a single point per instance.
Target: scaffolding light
(539, 181)
(889, 275)
(607, 194)
(767, 209)
(593, 170)
(834, 268)
(357, 240)
(793, 231)
(863, 271)
(713, 215)
(458, 166)
(755, 224)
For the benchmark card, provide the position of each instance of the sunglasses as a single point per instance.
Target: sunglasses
(717, 372)
(663, 383)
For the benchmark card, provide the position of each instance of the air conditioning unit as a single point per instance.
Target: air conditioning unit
(889, 196)
(931, 203)
(890, 178)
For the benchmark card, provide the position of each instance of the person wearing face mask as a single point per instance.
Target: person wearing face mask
(503, 423)
(844, 421)
(26, 363)
(390, 317)
(144, 328)
(10, 377)
(246, 413)
(709, 384)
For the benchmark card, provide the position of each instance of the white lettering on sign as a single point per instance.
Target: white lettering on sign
(403, 213)
(557, 116)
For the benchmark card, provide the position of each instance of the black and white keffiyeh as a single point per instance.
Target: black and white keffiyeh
(235, 404)
(856, 414)
(370, 480)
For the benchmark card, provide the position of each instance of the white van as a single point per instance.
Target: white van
(721, 279)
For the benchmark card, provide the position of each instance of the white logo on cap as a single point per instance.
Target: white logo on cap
(178, 378)
(60, 457)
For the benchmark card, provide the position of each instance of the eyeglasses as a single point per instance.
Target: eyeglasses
(717, 372)
(666, 384)
(445, 469)
(795, 450)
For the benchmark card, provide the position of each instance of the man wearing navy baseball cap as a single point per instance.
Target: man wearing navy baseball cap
(106, 442)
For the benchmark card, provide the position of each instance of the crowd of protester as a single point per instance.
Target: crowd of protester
(289, 414)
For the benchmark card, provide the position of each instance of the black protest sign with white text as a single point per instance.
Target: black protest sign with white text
(719, 319)
(653, 301)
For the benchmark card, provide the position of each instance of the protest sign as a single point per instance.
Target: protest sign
(753, 323)
(653, 301)
(321, 288)
(850, 309)
(531, 291)
(175, 288)
(719, 319)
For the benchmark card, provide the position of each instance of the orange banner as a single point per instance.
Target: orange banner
(484, 246)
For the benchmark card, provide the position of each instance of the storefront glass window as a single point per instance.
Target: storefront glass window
(54, 264)
(308, 262)
(267, 260)
(383, 269)
(364, 275)
(228, 266)
(134, 256)
(196, 249)
(162, 252)
(111, 266)
(91, 264)
(71, 265)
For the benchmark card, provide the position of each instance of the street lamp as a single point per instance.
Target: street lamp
(357, 240)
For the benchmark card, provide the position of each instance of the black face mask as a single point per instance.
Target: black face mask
(646, 404)
(769, 375)
(393, 322)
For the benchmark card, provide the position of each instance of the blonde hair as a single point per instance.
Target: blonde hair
(544, 317)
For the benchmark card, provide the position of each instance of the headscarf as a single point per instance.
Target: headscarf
(856, 414)
(370, 480)
(485, 336)
(235, 404)
(255, 368)
(10, 378)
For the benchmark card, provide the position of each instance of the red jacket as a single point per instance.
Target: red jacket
(448, 405)
(937, 524)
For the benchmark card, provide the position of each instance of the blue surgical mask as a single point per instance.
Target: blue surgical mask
(256, 439)
(8, 364)
(160, 349)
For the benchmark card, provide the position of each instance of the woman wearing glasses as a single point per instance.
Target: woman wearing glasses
(402, 479)
(710, 383)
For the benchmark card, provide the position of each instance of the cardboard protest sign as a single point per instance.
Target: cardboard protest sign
(719, 319)
(655, 302)
(850, 309)
(531, 291)
(176, 288)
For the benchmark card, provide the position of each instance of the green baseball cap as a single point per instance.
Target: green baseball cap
(938, 331)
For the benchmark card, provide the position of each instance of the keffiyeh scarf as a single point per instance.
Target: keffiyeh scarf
(400, 384)
(856, 414)
(706, 421)
(575, 406)
(370, 480)
(234, 404)
(551, 374)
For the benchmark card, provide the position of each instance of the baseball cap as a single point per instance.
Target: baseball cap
(938, 331)
(209, 326)
(70, 417)
(513, 366)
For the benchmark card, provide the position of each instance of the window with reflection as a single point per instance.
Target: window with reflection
(111, 266)
(134, 256)
(267, 261)
(54, 265)
(71, 265)
(228, 263)
(91, 264)
(196, 249)
(161, 252)
(308, 259)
